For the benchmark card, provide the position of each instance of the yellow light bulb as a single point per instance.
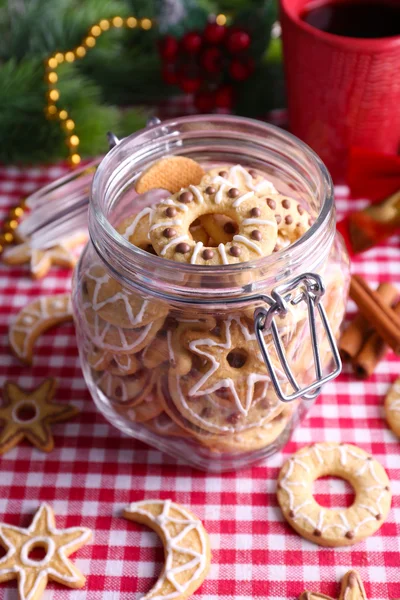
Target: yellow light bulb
(11, 225)
(80, 51)
(104, 24)
(74, 140)
(16, 212)
(146, 24)
(131, 22)
(60, 57)
(90, 41)
(75, 159)
(117, 22)
(52, 63)
(54, 95)
(69, 124)
(221, 19)
(52, 110)
(69, 57)
(62, 115)
(1, 248)
(52, 77)
(8, 237)
(95, 30)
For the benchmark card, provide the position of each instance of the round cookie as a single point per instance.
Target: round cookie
(116, 305)
(163, 425)
(329, 527)
(171, 173)
(127, 391)
(147, 409)
(392, 407)
(256, 235)
(292, 218)
(116, 364)
(118, 340)
(186, 547)
(248, 180)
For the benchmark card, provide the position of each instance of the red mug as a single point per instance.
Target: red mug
(343, 92)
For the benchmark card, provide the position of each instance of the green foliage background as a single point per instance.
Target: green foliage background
(122, 71)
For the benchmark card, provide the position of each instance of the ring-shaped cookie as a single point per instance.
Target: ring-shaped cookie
(257, 228)
(334, 527)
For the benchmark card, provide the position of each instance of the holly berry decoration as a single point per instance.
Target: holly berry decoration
(208, 64)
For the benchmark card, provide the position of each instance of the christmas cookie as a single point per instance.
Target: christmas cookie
(116, 364)
(34, 319)
(352, 589)
(186, 547)
(129, 390)
(118, 340)
(256, 234)
(58, 544)
(110, 301)
(163, 425)
(147, 410)
(292, 218)
(392, 408)
(249, 180)
(171, 173)
(29, 415)
(324, 526)
(41, 261)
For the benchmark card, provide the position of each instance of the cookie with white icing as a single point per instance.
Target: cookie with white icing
(34, 319)
(256, 235)
(334, 527)
(117, 305)
(249, 180)
(392, 407)
(115, 339)
(186, 547)
(147, 409)
(352, 588)
(164, 426)
(127, 391)
(58, 544)
(116, 364)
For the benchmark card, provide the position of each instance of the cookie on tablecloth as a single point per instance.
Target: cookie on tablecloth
(392, 407)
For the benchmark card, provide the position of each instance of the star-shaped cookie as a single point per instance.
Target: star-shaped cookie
(352, 589)
(56, 544)
(29, 415)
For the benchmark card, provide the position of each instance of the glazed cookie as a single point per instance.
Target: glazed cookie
(248, 180)
(34, 319)
(171, 173)
(149, 408)
(29, 415)
(392, 408)
(256, 235)
(117, 340)
(129, 390)
(324, 526)
(352, 589)
(115, 305)
(41, 261)
(57, 544)
(292, 218)
(186, 547)
(163, 425)
(116, 364)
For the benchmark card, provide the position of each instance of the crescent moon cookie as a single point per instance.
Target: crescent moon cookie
(352, 588)
(392, 407)
(186, 547)
(114, 304)
(29, 415)
(57, 544)
(171, 173)
(257, 229)
(328, 527)
(34, 319)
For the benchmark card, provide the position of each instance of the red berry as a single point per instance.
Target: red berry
(214, 33)
(211, 60)
(191, 42)
(224, 97)
(189, 84)
(237, 41)
(204, 101)
(168, 48)
(169, 74)
(241, 69)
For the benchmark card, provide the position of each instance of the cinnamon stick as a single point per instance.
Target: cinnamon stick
(359, 330)
(382, 318)
(372, 352)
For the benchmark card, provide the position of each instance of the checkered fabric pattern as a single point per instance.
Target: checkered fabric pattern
(95, 471)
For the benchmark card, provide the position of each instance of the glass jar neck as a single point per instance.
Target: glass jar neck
(212, 139)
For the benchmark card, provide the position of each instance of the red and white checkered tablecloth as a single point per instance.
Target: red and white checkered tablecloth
(95, 471)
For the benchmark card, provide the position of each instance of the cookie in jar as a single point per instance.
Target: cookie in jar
(209, 299)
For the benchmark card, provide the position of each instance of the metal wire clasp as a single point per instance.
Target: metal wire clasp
(308, 288)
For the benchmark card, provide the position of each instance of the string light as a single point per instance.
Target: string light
(53, 94)
(221, 19)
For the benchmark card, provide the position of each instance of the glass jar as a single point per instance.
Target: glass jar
(215, 365)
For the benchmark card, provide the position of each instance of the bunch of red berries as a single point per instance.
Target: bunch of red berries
(207, 64)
